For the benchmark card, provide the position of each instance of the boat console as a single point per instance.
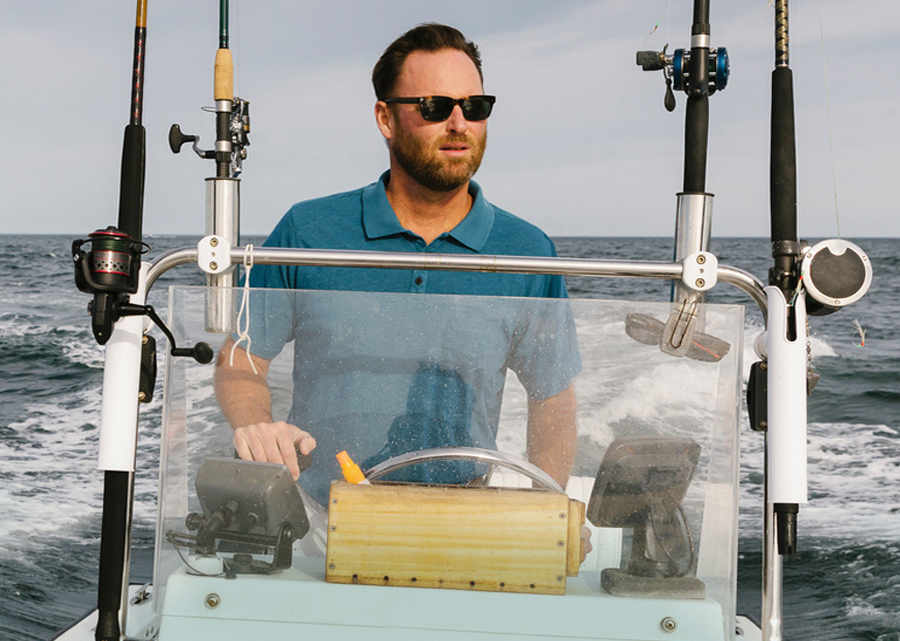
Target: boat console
(495, 549)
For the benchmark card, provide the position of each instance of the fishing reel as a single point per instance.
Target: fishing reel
(239, 132)
(111, 266)
(110, 271)
(676, 70)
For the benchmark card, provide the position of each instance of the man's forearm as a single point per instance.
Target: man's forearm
(243, 394)
(552, 434)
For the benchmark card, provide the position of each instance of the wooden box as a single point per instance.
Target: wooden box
(496, 539)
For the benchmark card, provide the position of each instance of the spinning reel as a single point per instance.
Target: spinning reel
(110, 270)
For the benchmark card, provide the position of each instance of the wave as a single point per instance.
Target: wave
(833, 591)
(50, 469)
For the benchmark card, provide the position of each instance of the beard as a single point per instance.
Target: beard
(424, 163)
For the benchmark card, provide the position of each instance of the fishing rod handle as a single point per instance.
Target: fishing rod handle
(224, 76)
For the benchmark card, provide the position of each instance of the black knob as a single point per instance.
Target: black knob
(177, 138)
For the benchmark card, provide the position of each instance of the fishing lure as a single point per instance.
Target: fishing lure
(861, 331)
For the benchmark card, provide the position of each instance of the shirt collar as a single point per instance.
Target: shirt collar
(379, 219)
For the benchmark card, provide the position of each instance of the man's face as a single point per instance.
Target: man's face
(438, 155)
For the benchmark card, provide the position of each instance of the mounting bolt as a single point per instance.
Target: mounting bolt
(214, 265)
(701, 259)
(213, 600)
(700, 283)
(213, 242)
(668, 624)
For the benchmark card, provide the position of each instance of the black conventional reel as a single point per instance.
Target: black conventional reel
(676, 69)
(238, 128)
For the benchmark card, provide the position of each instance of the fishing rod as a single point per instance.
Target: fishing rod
(834, 272)
(223, 190)
(698, 72)
(803, 281)
(118, 484)
(112, 271)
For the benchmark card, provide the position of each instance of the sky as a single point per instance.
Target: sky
(579, 141)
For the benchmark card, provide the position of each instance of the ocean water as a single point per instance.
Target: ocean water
(844, 583)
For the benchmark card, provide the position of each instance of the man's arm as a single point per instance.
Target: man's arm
(552, 443)
(552, 435)
(246, 403)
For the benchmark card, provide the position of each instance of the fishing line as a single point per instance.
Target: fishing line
(668, 19)
(859, 328)
(837, 216)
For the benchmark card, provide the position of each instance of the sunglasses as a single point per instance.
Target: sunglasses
(439, 108)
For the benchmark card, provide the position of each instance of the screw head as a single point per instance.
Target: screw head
(668, 624)
(213, 600)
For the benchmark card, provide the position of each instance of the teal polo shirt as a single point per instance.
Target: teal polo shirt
(376, 371)
(364, 220)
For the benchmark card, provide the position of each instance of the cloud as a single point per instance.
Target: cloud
(579, 142)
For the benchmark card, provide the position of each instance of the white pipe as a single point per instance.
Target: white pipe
(786, 434)
(121, 386)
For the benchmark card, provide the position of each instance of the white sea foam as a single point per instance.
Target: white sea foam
(854, 481)
(52, 485)
(85, 353)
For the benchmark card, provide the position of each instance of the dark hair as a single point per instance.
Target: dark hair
(425, 37)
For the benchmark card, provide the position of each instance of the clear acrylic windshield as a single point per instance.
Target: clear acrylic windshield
(381, 375)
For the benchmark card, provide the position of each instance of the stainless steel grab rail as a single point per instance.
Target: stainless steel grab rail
(654, 270)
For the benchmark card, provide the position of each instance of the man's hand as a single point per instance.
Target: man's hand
(274, 443)
(586, 546)
(244, 397)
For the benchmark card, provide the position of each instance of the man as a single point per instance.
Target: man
(432, 112)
